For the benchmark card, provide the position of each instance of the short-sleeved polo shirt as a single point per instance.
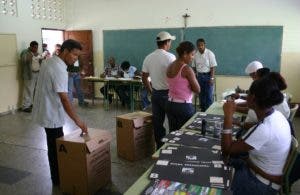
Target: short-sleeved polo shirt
(203, 62)
(48, 110)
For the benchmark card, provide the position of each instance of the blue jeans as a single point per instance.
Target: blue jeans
(144, 98)
(245, 183)
(159, 99)
(206, 94)
(178, 114)
(74, 81)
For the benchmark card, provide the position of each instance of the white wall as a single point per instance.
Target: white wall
(26, 30)
(99, 15)
(25, 27)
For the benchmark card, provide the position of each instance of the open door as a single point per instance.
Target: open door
(84, 37)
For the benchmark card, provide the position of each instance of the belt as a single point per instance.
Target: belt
(204, 73)
(179, 101)
(265, 181)
(35, 71)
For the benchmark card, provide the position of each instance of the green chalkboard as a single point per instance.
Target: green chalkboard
(133, 45)
(234, 47)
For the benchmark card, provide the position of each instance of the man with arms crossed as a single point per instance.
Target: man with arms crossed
(51, 101)
(155, 65)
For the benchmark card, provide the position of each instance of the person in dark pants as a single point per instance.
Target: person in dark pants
(268, 142)
(204, 65)
(155, 66)
(182, 83)
(52, 135)
(51, 101)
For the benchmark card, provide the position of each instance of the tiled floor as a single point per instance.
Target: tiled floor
(23, 150)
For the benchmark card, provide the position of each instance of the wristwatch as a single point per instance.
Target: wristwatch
(212, 78)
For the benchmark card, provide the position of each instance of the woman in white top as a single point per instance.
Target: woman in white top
(283, 107)
(268, 143)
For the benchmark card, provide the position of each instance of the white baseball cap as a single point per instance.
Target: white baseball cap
(253, 67)
(162, 36)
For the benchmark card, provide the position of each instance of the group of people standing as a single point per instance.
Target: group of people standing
(31, 61)
(172, 85)
(174, 81)
(260, 153)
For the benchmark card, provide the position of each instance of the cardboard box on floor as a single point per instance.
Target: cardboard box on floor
(84, 161)
(135, 139)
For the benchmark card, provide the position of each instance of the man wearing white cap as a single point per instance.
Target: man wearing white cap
(155, 66)
(252, 68)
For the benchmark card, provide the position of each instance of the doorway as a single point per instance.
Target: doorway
(51, 37)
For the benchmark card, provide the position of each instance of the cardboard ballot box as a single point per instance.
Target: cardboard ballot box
(84, 161)
(135, 139)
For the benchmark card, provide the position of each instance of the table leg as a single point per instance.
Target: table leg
(131, 97)
(106, 102)
(93, 93)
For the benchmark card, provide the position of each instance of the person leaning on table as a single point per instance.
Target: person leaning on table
(268, 143)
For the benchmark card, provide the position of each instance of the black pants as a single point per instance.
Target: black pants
(52, 134)
(178, 114)
(159, 99)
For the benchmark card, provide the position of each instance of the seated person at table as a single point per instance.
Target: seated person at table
(251, 69)
(283, 107)
(182, 83)
(268, 142)
(111, 70)
(123, 91)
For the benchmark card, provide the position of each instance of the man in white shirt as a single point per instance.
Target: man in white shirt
(155, 65)
(204, 64)
(51, 100)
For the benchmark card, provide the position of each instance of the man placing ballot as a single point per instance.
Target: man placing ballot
(51, 100)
